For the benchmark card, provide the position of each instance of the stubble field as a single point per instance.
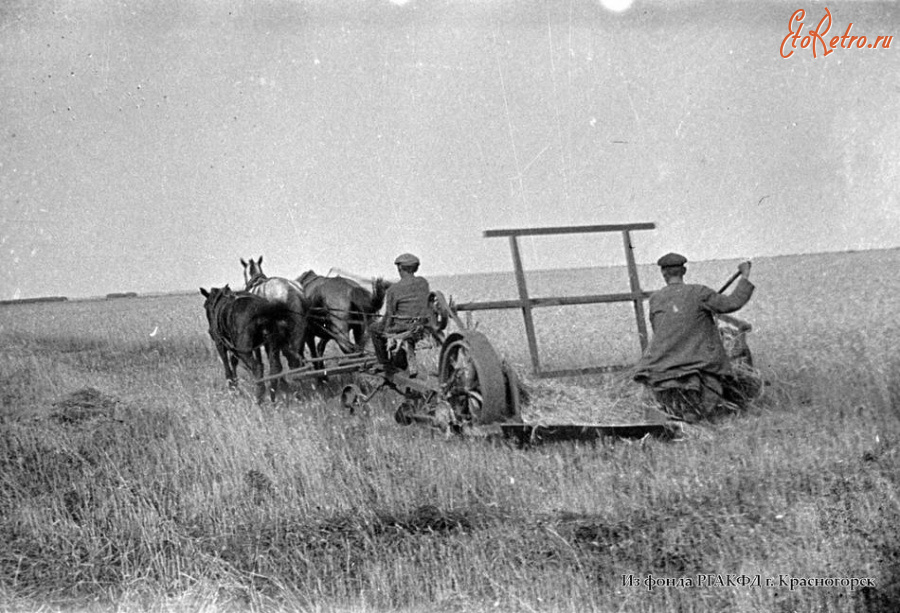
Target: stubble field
(132, 480)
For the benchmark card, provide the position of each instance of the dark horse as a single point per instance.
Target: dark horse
(239, 324)
(287, 293)
(339, 307)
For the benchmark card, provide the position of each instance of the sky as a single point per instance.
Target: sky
(148, 146)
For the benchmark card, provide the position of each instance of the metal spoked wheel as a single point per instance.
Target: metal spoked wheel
(472, 379)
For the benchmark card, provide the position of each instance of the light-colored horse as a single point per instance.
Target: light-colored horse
(282, 291)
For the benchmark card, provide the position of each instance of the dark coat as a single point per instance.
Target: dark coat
(685, 335)
(406, 303)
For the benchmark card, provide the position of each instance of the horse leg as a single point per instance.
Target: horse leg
(233, 381)
(253, 361)
(359, 334)
(319, 351)
(294, 357)
(342, 335)
(257, 357)
(274, 355)
(294, 349)
(309, 340)
(322, 343)
(229, 362)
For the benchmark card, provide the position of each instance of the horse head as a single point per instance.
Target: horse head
(214, 297)
(212, 294)
(253, 272)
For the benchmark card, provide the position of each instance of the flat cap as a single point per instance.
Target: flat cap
(672, 259)
(406, 259)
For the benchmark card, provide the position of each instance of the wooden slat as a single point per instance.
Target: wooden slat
(531, 434)
(587, 370)
(525, 304)
(308, 371)
(569, 229)
(643, 337)
(492, 305)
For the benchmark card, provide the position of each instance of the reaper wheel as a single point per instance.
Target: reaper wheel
(514, 393)
(472, 379)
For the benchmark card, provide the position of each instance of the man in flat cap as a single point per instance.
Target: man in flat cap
(406, 308)
(686, 364)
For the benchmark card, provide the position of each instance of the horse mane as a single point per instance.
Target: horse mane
(308, 277)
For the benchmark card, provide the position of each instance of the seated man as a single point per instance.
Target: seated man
(406, 308)
(686, 364)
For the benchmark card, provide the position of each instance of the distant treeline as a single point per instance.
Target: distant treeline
(32, 300)
(110, 296)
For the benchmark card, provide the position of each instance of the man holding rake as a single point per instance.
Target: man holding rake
(686, 365)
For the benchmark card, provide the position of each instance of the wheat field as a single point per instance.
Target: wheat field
(131, 479)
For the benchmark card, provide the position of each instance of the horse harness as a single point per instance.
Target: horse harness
(255, 281)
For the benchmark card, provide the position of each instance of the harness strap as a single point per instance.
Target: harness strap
(257, 279)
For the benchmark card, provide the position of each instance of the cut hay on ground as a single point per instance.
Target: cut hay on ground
(594, 400)
(82, 405)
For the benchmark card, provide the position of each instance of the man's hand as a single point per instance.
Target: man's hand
(744, 268)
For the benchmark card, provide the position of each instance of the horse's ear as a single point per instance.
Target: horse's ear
(243, 263)
(259, 261)
(204, 292)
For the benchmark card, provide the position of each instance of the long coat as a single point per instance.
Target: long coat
(685, 336)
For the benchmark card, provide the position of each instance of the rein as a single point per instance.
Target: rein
(316, 311)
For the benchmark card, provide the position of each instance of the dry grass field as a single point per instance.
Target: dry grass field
(132, 480)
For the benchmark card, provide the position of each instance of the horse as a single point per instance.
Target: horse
(339, 307)
(239, 323)
(285, 292)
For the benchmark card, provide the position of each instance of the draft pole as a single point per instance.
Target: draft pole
(526, 304)
(636, 290)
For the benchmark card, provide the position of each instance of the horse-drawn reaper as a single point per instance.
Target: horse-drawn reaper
(472, 385)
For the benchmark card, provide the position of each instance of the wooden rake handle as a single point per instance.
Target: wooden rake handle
(730, 281)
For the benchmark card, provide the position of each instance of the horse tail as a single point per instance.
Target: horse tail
(379, 289)
(299, 304)
(317, 313)
(279, 324)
